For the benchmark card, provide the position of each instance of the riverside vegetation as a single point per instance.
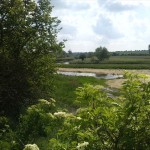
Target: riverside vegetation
(65, 87)
(100, 122)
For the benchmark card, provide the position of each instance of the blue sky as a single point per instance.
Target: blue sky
(115, 24)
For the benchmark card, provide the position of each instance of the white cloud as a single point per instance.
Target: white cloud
(68, 29)
(116, 6)
(69, 4)
(115, 24)
(106, 29)
(58, 4)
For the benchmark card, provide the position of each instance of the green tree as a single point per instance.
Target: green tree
(69, 53)
(102, 53)
(27, 52)
(82, 56)
(61, 54)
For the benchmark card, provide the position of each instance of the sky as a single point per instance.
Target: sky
(115, 24)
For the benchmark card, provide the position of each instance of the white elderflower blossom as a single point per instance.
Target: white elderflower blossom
(44, 101)
(60, 114)
(81, 146)
(79, 118)
(31, 147)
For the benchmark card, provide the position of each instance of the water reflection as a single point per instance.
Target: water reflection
(101, 76)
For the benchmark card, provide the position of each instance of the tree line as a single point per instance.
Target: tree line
(101, 53)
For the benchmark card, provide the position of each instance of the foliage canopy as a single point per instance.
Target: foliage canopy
(28, 43)
(102, 53)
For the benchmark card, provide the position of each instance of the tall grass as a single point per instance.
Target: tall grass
(65, 89)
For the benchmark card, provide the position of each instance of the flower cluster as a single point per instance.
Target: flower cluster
(60, 114)
(79, 118)
(31, 147)
(44, 101)
(81, 146)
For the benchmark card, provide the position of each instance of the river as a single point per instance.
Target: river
(86, 74)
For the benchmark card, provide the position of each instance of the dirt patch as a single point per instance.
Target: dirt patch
(116, 83)
(104, 71)
(97, 71)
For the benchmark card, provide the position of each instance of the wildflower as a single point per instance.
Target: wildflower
(44, 101)
(79, 118)
(81, 146)
(60, 114)
(31, 147)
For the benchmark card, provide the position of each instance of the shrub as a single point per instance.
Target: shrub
(8, 138)
(102, 122)
(36, 120)
(106, 123)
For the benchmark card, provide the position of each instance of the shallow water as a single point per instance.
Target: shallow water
(101, 76)
(66, 63)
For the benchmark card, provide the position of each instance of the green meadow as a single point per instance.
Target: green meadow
(65, 87)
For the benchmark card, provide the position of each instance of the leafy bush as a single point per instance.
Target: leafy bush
(36, 120)
(106, 123)
(41, 120)
(101, 122)
(7, 136)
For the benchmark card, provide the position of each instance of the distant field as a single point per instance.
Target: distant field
(116, 62)
(128, 60)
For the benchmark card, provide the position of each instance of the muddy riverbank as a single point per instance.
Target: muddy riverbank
(116, 83)
(104, 71)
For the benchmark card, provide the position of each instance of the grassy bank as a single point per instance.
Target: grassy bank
(65, 89)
